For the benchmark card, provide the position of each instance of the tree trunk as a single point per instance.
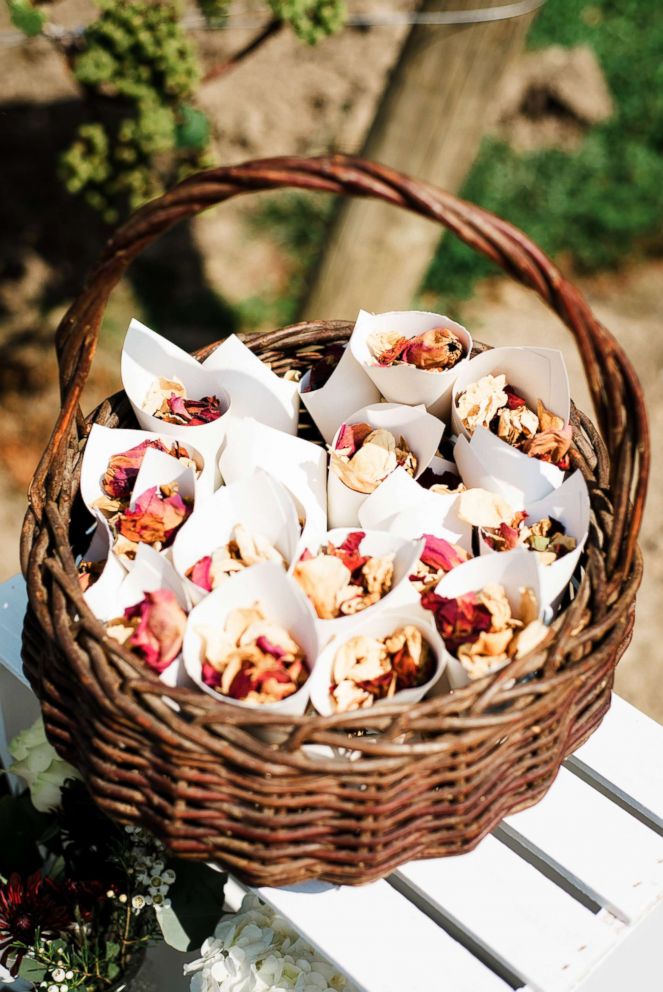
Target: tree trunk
(429, 124)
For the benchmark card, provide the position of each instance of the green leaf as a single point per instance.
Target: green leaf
(112, 971)
(196, 905)
(26, 18)
(112, 951)
(192, 131)
(31, 971)
(21, 827)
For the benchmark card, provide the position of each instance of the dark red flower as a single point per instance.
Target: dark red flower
(460, 620)
(29, 906)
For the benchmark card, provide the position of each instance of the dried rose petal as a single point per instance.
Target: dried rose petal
(440, 554)
(371, 463)
(339, 581)
(156, 516)
(434, 350)
(482, 508)
(123, 468)
(365, 669)
(514, 399)
(201, 573)
(351, 437)
(191, 413)
(158, 636)
(551, 446)
(460, 620)
(481, 401)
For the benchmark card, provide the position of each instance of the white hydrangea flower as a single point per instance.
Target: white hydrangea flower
(256, 950)
(37, 762)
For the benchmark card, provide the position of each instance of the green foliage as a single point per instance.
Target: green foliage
(596, 203)
(214, 11)
(311, 20)
(141, 73)
(196, 905)
(26, 17)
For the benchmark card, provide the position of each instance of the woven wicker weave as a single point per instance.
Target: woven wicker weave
(426, 780)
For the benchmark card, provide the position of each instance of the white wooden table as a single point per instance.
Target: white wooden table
(565, 896)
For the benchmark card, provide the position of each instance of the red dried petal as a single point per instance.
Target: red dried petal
(154, 518)
(266, 645)
(460, 620)
(514, 400)
(348, 551)
(158, 636)
(195, 412)
(351, 437)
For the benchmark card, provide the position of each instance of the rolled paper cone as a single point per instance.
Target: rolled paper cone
(406, 383)
(347, 389)
(570, 505)
(150, 572)
(535, 373)
(282, 601)
(160, 469)
(513, 570)
(147, 356)
(259, 502)
(375, 544)
(398, 492)
(420, 430)
(105, 442)
(255, 391)
(490, 463)
(101, 594)
(297, 464)
(381, 625)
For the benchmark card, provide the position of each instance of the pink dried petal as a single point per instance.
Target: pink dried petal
(269, 648)
(123, 468)
(158, 636)
(441, 555)
(195, 412)
(460, 620)
(201, 573)
(351, 437)
(393, 353)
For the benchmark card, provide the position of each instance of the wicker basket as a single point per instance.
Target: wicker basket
(426, 780)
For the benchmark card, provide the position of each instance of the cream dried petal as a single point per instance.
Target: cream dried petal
(217, 646)
(160, 390)
(109, 507)
(348, 696)
(548, 421)
(322, 579)
(489, 644)
(545, 558)
(494, 598)
(529, 638)
(409, 636)
(370, 465)
(378, 574)
(240, 619)
(517, 425)
(223, 565)
(529, 608)
(119, 630)
(361, 659)
(482, 508)
(254, 547)
(478, 404)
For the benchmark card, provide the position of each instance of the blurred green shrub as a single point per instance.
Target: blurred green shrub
(596, 203)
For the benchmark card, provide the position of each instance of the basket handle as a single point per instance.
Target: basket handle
(615, 390)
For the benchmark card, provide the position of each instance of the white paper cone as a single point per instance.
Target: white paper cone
(259, 502)
(297, 464)
(420, 430)
(105, 442)
(375, 544)
(160, 469)
(570, 505)
(405, 383)
(151, 571)
(513, 570)
(255, 391)
(535, 373)
(378, 626)
(487, 462)
(147, 356)
(347, 389)
(101, 594)
(281, 600)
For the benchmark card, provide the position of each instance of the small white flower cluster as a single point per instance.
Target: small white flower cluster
(57, 980)
(256, 950)
(149, 867)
